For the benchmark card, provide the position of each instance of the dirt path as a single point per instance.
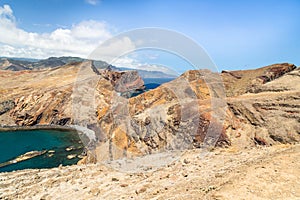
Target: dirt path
(259, 173)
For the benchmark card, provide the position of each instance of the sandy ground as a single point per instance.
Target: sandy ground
(257, 173)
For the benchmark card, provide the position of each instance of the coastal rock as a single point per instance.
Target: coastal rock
(46, 99)
(6, 106)
(124, 82)
(261, 107)
(150, 122)
(70, 148)
(176, 115)
(168, 116)
(71, 156)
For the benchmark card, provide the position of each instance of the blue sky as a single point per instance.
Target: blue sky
(236, 34)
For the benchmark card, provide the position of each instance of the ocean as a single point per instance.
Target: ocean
(152, 83)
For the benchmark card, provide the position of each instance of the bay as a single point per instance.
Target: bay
(16, 143)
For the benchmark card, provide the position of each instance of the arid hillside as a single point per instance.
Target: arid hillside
(223, 174)
(237, 133)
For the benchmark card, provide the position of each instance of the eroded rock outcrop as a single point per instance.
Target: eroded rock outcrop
(174, 116)
(124, 82)
(249, 81)
(261, 107)
(6, 106)
(44, 96)
(177, 114)
(269, 116)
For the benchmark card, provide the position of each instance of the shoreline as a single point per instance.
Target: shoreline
(7, 128)
(64, 129)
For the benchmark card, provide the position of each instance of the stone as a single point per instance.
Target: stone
(114, 179)
(69, 148)
(185, 161)
(71, 156)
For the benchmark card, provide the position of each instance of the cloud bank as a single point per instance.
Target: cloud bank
(78, 40)
(82, 40)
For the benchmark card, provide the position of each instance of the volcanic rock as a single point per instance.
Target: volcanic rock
(261, 107)
(44, 96)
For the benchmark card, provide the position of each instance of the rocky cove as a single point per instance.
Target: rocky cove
(262, 110)
(261, 104)
(53, 129)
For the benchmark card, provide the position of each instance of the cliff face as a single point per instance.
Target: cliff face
(44, 97)
(245, 81)
(124, 82)
(39, 97)
(176, 115)
(262, 107)
(270, 112)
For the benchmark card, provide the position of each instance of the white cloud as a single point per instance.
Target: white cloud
(78, 40)
(128, 62)
(113, 49)
(6, 13)
(91, 29)
(92, 2)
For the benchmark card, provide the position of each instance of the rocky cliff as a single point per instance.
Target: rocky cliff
(268, 112)
(44, 97)
(262, 107)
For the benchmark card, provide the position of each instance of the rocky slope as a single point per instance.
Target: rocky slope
(269, 112)
(15, 64)
(262, 109)
(245, 81)
(44, 97)
(225, 174)
(19, 64)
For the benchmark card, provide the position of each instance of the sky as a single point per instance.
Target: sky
(235, 34)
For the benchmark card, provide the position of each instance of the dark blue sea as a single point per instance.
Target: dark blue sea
(16, 143)
(152, 83)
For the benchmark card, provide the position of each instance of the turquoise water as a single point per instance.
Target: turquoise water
(16, 143)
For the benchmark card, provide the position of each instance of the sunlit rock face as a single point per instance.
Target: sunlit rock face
(240, 108)
(175, 116)
(178, 115)
(245, 81)
(268, 111)
(124, 82)
(45, 96)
